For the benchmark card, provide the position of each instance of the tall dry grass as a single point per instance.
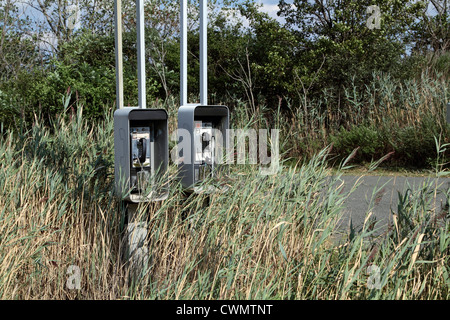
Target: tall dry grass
(387, 104)
(267, 237)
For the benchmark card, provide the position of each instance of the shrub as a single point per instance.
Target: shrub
(415, 145)
(364, 137)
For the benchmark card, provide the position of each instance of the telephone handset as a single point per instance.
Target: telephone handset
(142, 168)
(204, 149)
(205, 141)
(142, 150)
(141, 140)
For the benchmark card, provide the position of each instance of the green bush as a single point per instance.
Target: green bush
(85, 68)
(364, 137)
(415, 146)
(442, 64)
(8, 109)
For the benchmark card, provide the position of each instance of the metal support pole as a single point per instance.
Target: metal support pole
(203, 52)
(118, 49)
(141, 53)
(183, 53)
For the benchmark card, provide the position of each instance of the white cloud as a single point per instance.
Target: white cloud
(48, 41)
(271, 10)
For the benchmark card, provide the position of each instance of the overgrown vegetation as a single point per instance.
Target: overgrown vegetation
(326, 75)
(268, 237)
(339, 92)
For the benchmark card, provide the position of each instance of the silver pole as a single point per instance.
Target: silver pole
(141, 52)
(203, 52)
(183, 53)
(118, 49)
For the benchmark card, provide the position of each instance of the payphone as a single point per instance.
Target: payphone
(141, 140)
(141, 149)
(207, 125)
(207, 128)
(141, 153)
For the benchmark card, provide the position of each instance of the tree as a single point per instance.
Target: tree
(333, 37)
(162, 23)
(251, 62)
(432, 31)
(17, 47)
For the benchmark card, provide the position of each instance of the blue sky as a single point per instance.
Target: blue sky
(270, 6)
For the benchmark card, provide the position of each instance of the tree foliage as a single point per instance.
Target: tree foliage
(335, 41)
(320, 45)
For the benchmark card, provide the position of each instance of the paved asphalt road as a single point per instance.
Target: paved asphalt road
(385, 188)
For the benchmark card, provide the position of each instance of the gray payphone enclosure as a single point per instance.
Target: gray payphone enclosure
(153, 123)
(218, 116)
